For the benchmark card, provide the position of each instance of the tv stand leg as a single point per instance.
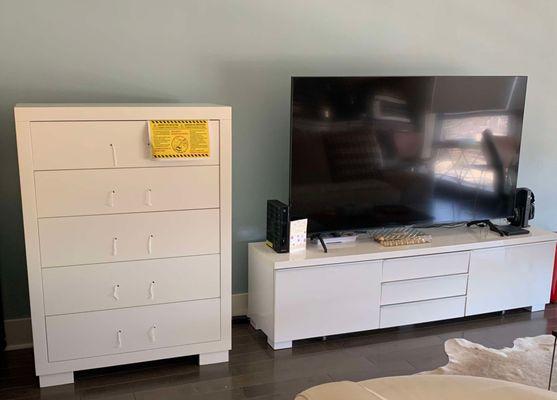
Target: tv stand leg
(318, 237)
(280, 345)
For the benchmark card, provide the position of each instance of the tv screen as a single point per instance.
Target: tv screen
(389, 151)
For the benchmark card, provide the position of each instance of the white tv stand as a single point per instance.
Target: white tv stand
(364, 286)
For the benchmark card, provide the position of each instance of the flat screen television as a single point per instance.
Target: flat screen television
(414, 150)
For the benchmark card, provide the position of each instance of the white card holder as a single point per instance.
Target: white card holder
(298, 235)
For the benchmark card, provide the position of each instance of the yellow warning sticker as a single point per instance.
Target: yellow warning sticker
(179, 138)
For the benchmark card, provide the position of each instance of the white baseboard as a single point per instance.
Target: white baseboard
(239, 304)
(19, 334)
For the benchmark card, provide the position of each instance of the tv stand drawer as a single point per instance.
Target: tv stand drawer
(423, 289)
(399, 269)
(422, 311)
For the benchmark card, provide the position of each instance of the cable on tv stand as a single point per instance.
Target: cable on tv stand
(486, 222)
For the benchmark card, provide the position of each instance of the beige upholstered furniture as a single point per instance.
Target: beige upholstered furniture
(426, 387)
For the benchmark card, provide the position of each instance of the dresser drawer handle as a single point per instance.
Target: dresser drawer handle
(119, 338)
(153, 334)
(150, 244)
(152, 291)
(114, 157)
(111, 197)
(148, 197)
(114, 246)
(115, 291)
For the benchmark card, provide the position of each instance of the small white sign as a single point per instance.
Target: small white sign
(298, 234)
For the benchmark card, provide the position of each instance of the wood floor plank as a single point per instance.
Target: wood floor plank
(256, 372)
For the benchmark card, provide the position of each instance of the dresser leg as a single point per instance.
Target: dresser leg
(538, 307)
(213, 358)
(55, 379)
(280, 345)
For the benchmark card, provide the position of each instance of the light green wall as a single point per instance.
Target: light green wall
(243, 53)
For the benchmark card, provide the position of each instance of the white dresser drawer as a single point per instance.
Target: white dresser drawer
(423, 289)
(131, 283)
(131, 329)
(111, 191)
(121, 237)
(425, 266)
(103, 144)
(422, 311)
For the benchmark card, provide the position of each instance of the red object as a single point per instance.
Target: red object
(554, 283)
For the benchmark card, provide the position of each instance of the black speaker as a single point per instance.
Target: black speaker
(524, 208)
(278, 222)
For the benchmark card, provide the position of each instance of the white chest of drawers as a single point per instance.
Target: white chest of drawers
(128, 257)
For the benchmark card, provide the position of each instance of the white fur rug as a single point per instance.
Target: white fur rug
(527, 362)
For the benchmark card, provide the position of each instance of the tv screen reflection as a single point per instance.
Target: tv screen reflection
(384, 151)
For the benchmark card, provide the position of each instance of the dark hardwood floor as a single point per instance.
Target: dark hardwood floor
(257, 372)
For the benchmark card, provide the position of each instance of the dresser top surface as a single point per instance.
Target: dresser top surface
(119, 111)
(94, 105)
(444, 240)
